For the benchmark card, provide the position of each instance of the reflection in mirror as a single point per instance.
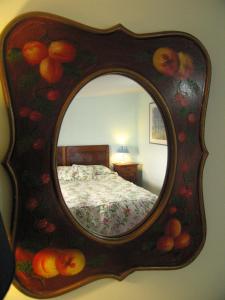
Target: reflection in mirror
(110, 193)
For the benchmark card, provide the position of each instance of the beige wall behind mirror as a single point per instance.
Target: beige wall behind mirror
(113, 110)
(204, 278)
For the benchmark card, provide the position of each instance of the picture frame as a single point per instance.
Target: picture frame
(157, 132)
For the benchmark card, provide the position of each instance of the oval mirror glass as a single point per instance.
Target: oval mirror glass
(113, 156)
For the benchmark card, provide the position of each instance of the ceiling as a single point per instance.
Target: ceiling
(110, 85)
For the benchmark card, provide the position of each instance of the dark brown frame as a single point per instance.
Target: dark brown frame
(40, 220)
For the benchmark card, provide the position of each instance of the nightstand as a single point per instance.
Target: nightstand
(127, 171)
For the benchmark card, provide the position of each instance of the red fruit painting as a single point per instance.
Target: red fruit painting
(38, 144)
(50, 228)
(24, 112)
(185, 191)
(22, 254)
(32, 203)
(184, 167)
(51, 70)
(182, 241)
(165, 60)
(186, 66)
(173, 227)
(189, 193)
(172, 210)
(165, 243)
(35, 116)
(62, 51)
(182, 100)
(34, 52)
(44, 263)
(34, 283)
(191, 118)
(70, 262)
(45, 178)
(41, 224)
(53, 95)
(182, 137)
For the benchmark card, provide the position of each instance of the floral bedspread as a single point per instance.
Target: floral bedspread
(107, 205)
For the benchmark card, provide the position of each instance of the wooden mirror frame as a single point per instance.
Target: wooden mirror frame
(174, 68)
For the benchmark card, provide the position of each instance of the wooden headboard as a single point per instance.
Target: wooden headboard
(83, 155)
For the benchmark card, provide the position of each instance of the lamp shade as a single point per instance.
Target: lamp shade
(123, 149)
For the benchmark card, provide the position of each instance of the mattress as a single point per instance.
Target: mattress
(106, 204)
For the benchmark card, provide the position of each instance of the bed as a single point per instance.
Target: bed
(100, 200)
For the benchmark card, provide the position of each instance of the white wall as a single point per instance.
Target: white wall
(99, 120)
(203, 279)
(153, 157)
(108, 119)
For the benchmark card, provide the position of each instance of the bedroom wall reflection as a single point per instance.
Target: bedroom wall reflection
(111, 110)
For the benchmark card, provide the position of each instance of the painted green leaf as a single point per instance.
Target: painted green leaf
(14, 55)
(24, 266)
(183, 111)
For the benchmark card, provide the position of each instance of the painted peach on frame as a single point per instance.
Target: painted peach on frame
(24, 112)
(191, 118)
(44, 263)
(35, 116)
(182, 136)
(165, 60)
(51, 70)
(165, 243)
(53, 95)
(23, 255)
(186, 66)
(34, 52)
(50, 228)
(41, 224)
(173, 227)
(38, 144)
(35, 284)
(32, 203)
(185, 167)
(181, 99)
(182, 241)
(185, 191)
(45, 178)
(172, 210)
(62, 51)
(70, 262)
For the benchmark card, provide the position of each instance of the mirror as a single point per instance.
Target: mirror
(112, 201)
(46, 62)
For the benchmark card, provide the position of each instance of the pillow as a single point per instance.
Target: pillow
(83, 172)
(65, 172)
(101, 170)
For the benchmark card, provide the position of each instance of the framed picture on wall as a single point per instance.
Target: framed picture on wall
(157, 132)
